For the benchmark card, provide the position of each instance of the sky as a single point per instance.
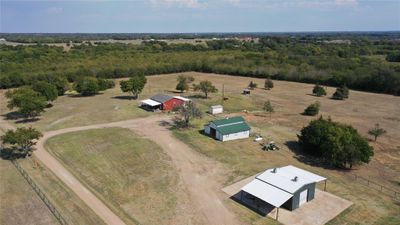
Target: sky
(192, 16)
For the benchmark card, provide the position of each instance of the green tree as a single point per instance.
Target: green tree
(205, 87)
(29, 102)
(376, 132)
(21, 140)
(183, 83)
(318, 90)
(268, 108)
(312, 109)
(341, 93)
(134, 85)
(87, 86)
(338, 144)
(59, 81)
(187, 112)
(252, 85)
(47, 90)
(268, 84)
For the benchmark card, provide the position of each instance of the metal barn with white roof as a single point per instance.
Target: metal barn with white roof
(288, 187)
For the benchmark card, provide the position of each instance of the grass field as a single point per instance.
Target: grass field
(242, 158)
(130, 174)
(19, 203)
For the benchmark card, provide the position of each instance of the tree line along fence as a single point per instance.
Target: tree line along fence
(40, 193)
(385, 190)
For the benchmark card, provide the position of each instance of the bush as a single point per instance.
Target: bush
(341, 93)
(318, 90)
(338, 144)
(393, 57)
(268, 84)
(105, 84)
(87, 86)
(312, 109)
(29, 102)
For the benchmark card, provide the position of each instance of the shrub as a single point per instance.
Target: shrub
(312, 109)
(318, 90)
(268, 84)
(338, 144)
(87, 86)
(341, 93)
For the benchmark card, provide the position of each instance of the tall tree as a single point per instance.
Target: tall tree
(47, 90)
(187, 112)
(134, 85)
(29, 102)
(21, 140)
(268, 108)
(205, 87)
(376, 132)
(183, 83)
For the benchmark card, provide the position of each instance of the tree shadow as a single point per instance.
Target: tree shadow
(83, 96)
(197, 96)
(125, 97)
(9, 154)
(19, 117)
(308, 159)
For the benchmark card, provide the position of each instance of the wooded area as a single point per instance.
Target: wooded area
(360, 64)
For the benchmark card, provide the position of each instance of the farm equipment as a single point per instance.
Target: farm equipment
(270, 146)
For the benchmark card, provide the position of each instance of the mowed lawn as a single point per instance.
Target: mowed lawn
(132, 175)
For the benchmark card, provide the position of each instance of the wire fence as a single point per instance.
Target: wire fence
(40, 193)
(385, 190)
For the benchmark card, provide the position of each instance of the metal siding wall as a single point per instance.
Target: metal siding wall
(310, 195)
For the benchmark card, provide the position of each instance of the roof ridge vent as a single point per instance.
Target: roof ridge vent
(295, 179)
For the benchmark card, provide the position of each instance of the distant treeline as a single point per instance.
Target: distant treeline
(362, 65)
(80, 37)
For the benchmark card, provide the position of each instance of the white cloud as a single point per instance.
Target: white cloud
(54, 10)
(180, 3)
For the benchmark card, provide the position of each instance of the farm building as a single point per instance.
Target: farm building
(228, 129)
(163, 102)
(288, 186)
(216, 109)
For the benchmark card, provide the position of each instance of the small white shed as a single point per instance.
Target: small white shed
(216, 109)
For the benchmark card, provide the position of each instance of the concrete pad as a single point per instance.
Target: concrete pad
(324, 207)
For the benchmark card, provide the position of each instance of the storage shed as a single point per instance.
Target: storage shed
(289, 187)
(228, 129)
(216, 109)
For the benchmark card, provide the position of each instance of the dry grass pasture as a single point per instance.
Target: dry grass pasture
(132, 175)
(243, 158)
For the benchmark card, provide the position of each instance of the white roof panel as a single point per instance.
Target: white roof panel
(267, 192)
(283, 178)
(182, 98)
(150, 102)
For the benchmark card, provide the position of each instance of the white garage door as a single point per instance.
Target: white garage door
(303, 197)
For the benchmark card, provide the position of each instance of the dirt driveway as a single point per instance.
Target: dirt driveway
(199, 174)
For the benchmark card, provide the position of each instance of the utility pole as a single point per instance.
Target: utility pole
(223, 93)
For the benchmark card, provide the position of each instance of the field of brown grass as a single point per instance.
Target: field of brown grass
(362, 110)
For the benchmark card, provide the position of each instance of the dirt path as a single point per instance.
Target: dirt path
(198, 173)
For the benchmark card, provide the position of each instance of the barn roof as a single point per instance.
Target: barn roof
(231, 125)
(283, 178)
(161, 98)
(277, 186)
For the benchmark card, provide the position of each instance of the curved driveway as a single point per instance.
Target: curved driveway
(198, 173)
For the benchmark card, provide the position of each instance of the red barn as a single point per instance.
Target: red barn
(164, 102)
